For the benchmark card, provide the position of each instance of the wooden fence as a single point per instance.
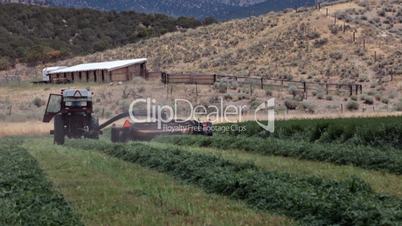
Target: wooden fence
(200, 79)
(262, 83)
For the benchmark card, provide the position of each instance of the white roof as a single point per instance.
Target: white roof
(108, 65)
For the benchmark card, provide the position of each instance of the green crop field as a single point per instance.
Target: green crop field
(309, 172)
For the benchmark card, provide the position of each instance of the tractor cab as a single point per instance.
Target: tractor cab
(70, 100)
(73, 115)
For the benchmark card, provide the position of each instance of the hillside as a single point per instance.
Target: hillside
(35, 34)
(303, 45)
(221, 9)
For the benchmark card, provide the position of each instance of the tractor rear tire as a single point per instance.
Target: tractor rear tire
(115, 135)
(94, 128)
(58, 136)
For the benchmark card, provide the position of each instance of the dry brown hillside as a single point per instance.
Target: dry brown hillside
(307, 45)
(359, 41)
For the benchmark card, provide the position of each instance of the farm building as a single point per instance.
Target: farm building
(110, 71)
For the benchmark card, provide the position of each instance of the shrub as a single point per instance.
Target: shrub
(320, 95)
(268, 93)
(4, 63)
(313, 35)
(141, 89)
(352, 105)
(307, 106)
(398, 106)
(38, 102)
(320, 42)
(333, 28)
(221, 86)
(329, 98)
(368, 99)
(291, 104)
(293, 91)
(336, 55)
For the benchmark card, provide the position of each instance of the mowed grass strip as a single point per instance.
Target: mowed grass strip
(312, 200)
(381, 182)
(109, 191)
(340, 154)
(26, 196)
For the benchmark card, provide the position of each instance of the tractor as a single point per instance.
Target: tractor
(74, 117)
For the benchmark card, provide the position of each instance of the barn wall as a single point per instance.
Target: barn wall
(106, 75)
(77, 77)
(91, 76)
(69, 76)
(120, 75)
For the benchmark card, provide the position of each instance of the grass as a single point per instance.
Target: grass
(340, 154)
(24, 128)
(313, 200)
(381, 182)
(108, 191)
(26, 196)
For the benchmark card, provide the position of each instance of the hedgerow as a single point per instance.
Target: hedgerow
(377, 132)
(312, 200)
(26, 197)
(342, 154)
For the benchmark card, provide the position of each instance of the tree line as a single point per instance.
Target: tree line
(33, 34)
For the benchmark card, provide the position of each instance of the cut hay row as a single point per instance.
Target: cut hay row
(381, 182)
(381, 132)
(110, 191)
(26, 197)
(364, 157)
(312, 200)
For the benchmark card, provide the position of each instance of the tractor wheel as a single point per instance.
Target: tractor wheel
(115, 135)
(58, 130)
(94, 128)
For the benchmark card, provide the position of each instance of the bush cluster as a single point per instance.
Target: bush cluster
(37, 34)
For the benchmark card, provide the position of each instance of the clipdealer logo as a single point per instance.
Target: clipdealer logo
(269, 105)
(219, 113)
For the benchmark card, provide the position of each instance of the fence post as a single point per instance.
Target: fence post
(305, 90)
(262, 83)
(214, 78)
(351, 90)
(361, 89)
(326, 88)
(196, 92)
